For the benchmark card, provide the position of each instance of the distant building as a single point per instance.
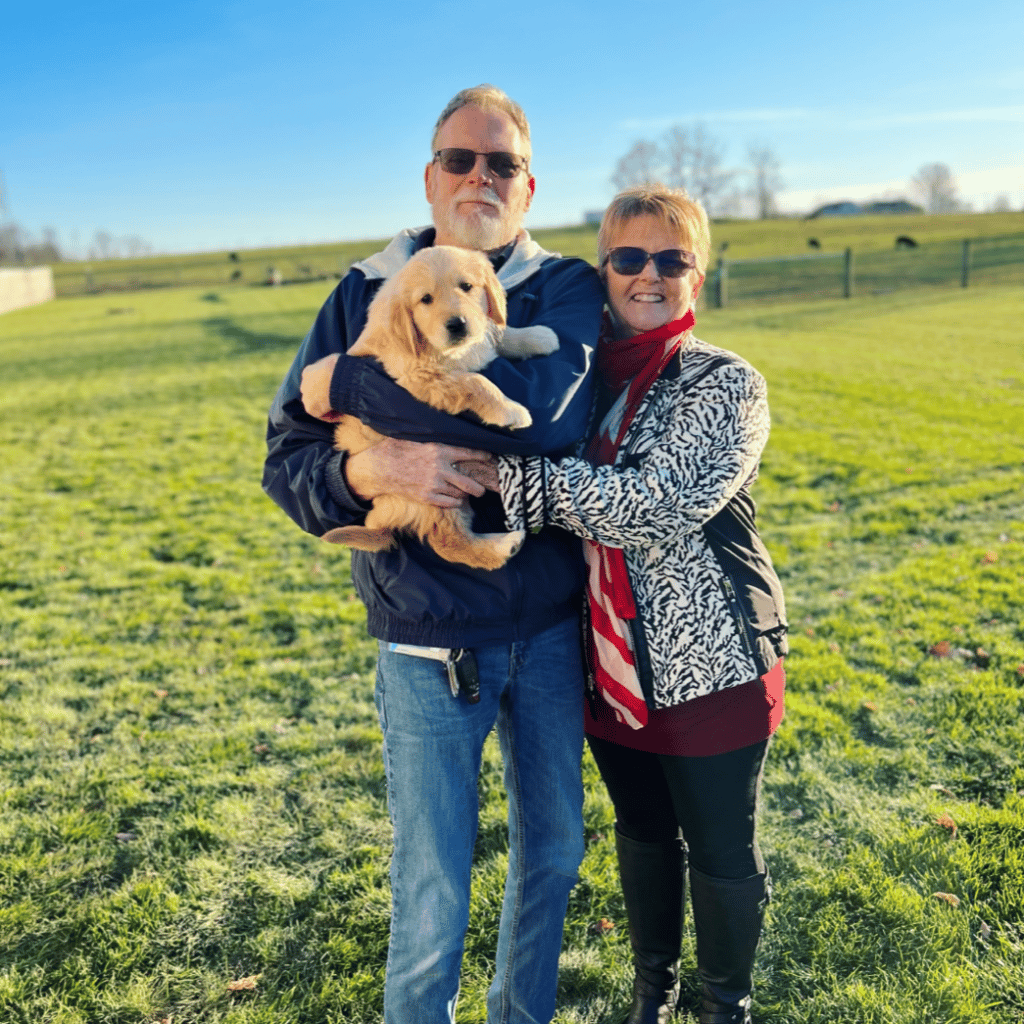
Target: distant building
(842, 209)
(592, 217)
(846, 208)
(892, 206)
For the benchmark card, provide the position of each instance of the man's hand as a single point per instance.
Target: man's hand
(315, 389)
(483, 471)
(426, 472)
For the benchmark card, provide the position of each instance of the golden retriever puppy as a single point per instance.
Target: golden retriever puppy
(439, 319)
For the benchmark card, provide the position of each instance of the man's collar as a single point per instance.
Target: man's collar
(516, 262)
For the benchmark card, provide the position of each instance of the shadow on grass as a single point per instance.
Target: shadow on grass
(249, 341)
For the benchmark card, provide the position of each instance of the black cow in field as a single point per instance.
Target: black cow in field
(236, 276)
(813, 243)
(905, 242)
(233, 256)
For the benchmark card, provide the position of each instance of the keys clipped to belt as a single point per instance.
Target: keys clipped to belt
(463, 674)
(459, 662)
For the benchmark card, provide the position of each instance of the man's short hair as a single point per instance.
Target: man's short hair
(486, 97)
(672, 206)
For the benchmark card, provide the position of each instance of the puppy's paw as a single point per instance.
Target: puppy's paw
(543, 340)
(523, 342)
(517, 416)
(505, 545)
(515, 541)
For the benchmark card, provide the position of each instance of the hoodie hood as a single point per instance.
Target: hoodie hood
(526, 259)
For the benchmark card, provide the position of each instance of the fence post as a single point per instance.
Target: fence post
(723, 283)
(848, 274)
(965, 264)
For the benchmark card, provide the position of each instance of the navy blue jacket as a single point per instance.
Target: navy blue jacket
(411, 594)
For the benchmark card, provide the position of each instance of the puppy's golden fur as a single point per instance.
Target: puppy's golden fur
(439, 319)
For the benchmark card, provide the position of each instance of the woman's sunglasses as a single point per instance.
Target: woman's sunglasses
(462, 161)
(629, 260)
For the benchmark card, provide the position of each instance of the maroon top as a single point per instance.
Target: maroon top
(713, 724)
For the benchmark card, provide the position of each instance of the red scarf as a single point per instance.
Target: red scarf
(636, 362)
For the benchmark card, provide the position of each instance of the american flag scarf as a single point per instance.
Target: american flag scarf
(632, 363)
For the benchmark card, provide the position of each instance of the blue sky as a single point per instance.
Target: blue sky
(213, 124)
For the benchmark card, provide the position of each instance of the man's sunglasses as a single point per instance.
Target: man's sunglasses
(462, 161)
(629, 260)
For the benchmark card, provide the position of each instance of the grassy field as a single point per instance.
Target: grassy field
(193, 822)
(745, 238)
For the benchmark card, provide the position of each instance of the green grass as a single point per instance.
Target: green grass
(746, 239)
(190, 775)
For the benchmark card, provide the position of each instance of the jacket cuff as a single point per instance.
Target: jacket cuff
(523, 491)
(345, 383)
(337, 485)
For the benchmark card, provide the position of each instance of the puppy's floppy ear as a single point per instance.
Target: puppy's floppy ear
(496, 306)
(389, 324)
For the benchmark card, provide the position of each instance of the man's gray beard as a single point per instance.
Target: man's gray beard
(481, 232)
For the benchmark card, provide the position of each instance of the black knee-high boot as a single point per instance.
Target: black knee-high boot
(727, 919)
(654, 887)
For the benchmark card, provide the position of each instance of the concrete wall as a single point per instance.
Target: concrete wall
(25, 287)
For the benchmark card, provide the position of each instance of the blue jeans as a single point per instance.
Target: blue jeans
(532, 691)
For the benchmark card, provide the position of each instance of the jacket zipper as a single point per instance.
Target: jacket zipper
(737, 613)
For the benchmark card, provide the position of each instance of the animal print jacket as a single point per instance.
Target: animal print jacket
(710, 608)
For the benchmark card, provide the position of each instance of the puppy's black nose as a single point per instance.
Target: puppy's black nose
(456, 326)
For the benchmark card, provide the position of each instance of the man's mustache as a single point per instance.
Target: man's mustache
(482, 195)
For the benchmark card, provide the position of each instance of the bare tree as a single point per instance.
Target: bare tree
(12, 244)
(708, 180)
(765, 180)
(18, 246)
(688, 158)
(638, 166)
(676, 155)
(102, 245)
(135, 246)
(1001, 204)
(937, 187)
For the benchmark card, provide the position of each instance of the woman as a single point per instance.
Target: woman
(687, 621)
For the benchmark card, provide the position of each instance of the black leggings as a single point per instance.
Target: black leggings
(712, 799)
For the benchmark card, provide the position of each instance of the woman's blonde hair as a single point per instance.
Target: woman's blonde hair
(490, 98)
(672, 206)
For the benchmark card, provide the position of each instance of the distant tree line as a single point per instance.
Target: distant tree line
(19, 247)
(692, 158)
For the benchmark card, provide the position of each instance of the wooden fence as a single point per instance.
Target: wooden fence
(844, 273)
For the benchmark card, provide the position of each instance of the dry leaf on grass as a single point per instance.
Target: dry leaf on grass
(947, 897)
(943, 649)
(244, 984)
(602, 927)
(990, 557)
(946, 821)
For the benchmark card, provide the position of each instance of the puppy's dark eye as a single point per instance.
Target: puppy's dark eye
(427, 299)
(466, 286)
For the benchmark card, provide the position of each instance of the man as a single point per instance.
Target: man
(517, 624)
